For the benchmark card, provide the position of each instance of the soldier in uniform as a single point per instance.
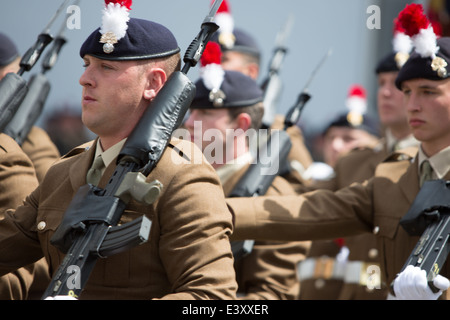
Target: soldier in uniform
(269, 270)
(378, 204)
(241, 52)
(322, 273)
(188, 255)
(362, 277)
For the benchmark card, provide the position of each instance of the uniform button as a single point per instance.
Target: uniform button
(373, 253)
(376, 229)
(41, 225)
(319, 283)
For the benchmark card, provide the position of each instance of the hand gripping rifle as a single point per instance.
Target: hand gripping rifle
(272, 85)
(13, 88)
(259, 176)
(429, 218)
(89, 228)
(38, 89)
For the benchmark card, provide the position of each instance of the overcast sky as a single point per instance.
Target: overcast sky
(319, 25)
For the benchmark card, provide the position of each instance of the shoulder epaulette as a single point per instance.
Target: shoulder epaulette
(401, 155)
(77, 150)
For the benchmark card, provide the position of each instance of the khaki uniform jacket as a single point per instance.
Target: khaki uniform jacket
(18, 179)
(327, 281)
(363, 248)
(43, 153)
(41, 150)
(358, 166)
(376, 205)
(188, 255)
(269, 272)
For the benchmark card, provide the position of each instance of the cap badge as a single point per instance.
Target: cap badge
(217, 97)
(401, 58)
(355, 118)
(109, 39)
(438, 64)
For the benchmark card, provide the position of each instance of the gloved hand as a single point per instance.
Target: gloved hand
(61, 298)
(412, 284)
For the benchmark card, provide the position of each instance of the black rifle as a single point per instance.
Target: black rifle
(89, 228)
(32, 105)
(272, 85)
(429, 218)
(259, 176)
(13, 88)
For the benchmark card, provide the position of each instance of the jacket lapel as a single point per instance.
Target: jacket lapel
(409, 182)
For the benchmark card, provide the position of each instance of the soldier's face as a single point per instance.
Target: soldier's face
(340, 140)
(236, 61)
(112, 95)
(428, 106)
(390, 101)
(213, 131)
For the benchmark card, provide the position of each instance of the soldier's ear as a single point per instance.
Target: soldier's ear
(243, 121)
(156, 78)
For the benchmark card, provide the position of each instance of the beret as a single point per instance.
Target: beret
(8, 50)
(368, 124)
(239, 91)
(143, 40)
(244, 43)
(387, 64)
(417, 67)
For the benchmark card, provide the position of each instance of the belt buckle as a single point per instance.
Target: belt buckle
(324, 268)
(369, 275)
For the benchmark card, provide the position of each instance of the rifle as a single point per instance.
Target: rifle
(258, 178)
(38, 89)
(89, 228)
(272, 85)
(429, 218)
(13, 88)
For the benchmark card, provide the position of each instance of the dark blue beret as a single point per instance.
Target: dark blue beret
(238, 91)
(367, 124)
(143, 40)
(8, 50)
(417, 67)
(387, 64)
(244, 43)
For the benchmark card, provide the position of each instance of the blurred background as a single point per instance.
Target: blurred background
(346, 27)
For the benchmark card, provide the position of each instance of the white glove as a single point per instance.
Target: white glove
(412, 284)
(61, 298)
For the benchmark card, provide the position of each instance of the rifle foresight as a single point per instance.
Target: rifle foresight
(32, 55)
(197, 46)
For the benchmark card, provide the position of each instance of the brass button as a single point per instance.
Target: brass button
(373, 253)
(41, 225)
(376, 229)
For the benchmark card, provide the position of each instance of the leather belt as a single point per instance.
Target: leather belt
(320, 268)
(363, 273)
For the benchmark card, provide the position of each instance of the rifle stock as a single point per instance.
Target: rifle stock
(13, 89)
(429, 217)
(29, 110)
